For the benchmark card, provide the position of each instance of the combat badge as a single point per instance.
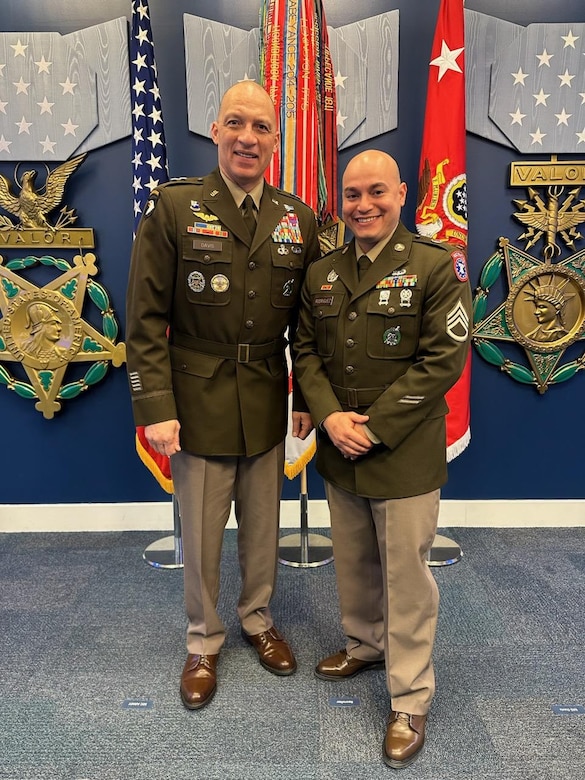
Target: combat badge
(45, 330)
(544, 311)
(196, 281)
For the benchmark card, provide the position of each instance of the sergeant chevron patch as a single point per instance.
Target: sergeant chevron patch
(458, 322)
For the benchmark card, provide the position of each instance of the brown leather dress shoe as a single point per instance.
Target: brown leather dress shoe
(342, 666)
(198, 680)
(404, 739)
(273, 651)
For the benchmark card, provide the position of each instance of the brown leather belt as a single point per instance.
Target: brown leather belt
(357, 396)
(243, 353)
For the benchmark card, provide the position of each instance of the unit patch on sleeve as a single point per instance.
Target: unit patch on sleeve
(459, 265)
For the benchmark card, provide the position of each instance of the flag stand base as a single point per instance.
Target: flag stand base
(444, 552)
(167, 553)
(305, 550)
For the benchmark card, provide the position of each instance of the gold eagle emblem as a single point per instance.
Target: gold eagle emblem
(31, 206)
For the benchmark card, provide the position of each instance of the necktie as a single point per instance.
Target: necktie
(248, 214)
(363, 264)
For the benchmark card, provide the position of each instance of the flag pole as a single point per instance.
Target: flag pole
(305, 550)
(441, 211)
(167, 553)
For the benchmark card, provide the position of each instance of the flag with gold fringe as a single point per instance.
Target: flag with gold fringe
(441, 211)
(149, 162)
(297, 72)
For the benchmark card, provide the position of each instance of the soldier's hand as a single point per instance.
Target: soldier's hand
(345, 431)
(164, 436)
(302, 424)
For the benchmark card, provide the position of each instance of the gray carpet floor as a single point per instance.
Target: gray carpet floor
(92, 647)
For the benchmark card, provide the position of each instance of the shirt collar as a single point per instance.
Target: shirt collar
(239, 194)
(373, 253)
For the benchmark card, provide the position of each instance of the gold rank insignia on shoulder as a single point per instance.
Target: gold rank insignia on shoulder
(43, 332)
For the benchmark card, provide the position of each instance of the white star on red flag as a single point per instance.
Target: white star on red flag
(447, 60)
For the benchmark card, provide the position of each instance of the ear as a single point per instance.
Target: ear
(214, 132)
(403, 188)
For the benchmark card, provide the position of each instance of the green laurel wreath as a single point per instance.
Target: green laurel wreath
(493, 354)
(98, 295)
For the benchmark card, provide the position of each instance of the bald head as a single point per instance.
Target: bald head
(373, 196)
(246, 134)
(373, 160)
(247, 91)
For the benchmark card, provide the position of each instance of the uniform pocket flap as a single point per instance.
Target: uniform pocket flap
(403, 302)
(195, 363)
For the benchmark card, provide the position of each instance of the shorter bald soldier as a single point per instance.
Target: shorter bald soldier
(383, 334)
(218, 264)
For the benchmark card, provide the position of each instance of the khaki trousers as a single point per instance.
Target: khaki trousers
(204, 488)
(388, 597)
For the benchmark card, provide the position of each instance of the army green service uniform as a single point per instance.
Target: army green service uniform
(389, 346)
(208, 310)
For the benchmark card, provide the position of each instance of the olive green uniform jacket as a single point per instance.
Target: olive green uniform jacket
(389, 346)
(207, 312)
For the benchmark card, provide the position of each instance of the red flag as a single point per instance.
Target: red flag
(150, 169)
(441, 210)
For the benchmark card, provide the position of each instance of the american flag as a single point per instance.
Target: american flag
(149, 151)
(149, 160)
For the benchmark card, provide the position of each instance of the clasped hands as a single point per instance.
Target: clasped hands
(346, 430)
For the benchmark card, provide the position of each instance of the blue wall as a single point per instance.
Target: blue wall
(523, 445)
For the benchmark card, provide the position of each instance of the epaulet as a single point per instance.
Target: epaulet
(180, 180)
(286, 194)
(444, 245)
(328, 254)
(336, 250)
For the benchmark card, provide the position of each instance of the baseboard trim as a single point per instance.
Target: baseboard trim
(158, 516)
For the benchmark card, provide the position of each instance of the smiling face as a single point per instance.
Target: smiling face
(245, 133)
(373, 196)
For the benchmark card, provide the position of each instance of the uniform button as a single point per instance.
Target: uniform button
(251, 265)
(252, 294)
(249, 324)
(207, 258)
(391, 310)
(350, 343)
(349, 369)
(320, 313)
(291, 264)
(184, 366)
(352, 315)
